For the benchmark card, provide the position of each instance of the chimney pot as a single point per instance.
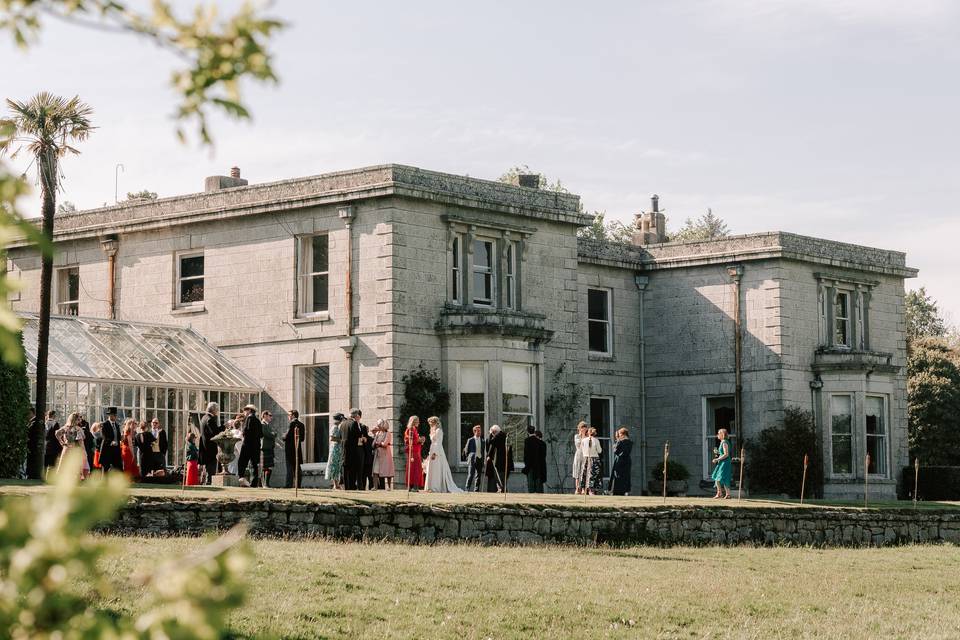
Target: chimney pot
(529, 180)
(234, 172)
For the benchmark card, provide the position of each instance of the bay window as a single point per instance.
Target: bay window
(518, 402)
(841, 434)
(483, 274)
(472, 400)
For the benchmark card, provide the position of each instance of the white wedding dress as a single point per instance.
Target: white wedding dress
(439, 478)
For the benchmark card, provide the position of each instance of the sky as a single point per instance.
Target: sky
(831, 118)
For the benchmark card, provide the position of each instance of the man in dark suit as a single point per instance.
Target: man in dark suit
(161, 437)
(210, 427)
(250, 445)
(534, 461)
(365, 481)
(352, 453)
(496, 468)
(293, 448)
(475, 451)
(87, 441)
(110, 444)
(51, 446)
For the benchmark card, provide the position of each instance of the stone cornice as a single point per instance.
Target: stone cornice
(344, 186)
(752, 247)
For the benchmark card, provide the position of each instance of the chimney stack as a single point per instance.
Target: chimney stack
(529, 180)
(651, 225)
(216, 183)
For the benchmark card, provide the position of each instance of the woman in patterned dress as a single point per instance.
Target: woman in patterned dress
(383, 467)
(335, 462)
(578, 456)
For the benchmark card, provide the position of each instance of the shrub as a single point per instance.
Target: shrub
(775, 459)
(675, 471)
(14, 412)
(934, 483)
(424, 395)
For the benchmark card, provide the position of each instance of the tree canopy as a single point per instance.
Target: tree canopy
(933, 396)
(923, 316)
(707, 227)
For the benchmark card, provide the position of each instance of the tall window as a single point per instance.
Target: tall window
(314, 387)
(841, 434)
(68, 291)
(876, 434)
(473, 400)
(314, 274)
(483, 261)
(10, 271)
(598, 321)
(189, 279)
(456, 293)
(601, 418)
(841, 319)
(518, 402)
(511, 276)
(719, 413)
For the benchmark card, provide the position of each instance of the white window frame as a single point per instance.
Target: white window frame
(305, 277)
(456, 269)
(532, 414)
(853, 435)
(62, 284)
(608, 322)
(848, 325)
(321, 418)
(707, 436)
(459, 409)
(178, 291)
(884, 438)
(510, 276)
(488, 271)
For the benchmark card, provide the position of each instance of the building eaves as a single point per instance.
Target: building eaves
(749, 247)
(330, 188)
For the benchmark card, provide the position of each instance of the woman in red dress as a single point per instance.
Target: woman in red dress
(126, 451)
(412, 441)
(192, 455)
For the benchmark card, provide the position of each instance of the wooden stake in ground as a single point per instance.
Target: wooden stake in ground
(743, 463)
(803, 483)
(666, 456)
(506, 471)
(296, 462)
(866, 475)
(916, 480)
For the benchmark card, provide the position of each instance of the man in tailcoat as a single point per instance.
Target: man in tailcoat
(51, 446)
(293, 444)
(250, 446)
(366, 443)
(475, 451)
(110, 444)
(161, 437)
(534, 461)
(210, 427)
(352, 453)
(496, 459)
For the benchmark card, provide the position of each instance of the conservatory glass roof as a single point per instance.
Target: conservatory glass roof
(132, 351)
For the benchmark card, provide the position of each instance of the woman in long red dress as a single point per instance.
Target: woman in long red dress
(127, 450)
(413, 441)
(192, 455)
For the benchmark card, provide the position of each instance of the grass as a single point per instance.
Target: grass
(322, 589)
(14, 487)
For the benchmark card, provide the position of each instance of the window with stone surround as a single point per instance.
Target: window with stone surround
(519, 402)
(719, 412)
(484, 278)
(68, 291)
(190, 279)
(874, 409)
(510, 276)
(599, 322)
(841, 435)
(313, 275)
(471, 401)
(313, 390)
(456, 269)
(485, 263)
(601, 418)
(843, 309)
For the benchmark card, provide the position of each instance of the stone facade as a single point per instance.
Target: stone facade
(498, 327)
(543, 524)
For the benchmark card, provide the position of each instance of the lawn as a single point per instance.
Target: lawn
(322, 589)
(12, 487)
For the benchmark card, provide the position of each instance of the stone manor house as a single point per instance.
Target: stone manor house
(320, 293)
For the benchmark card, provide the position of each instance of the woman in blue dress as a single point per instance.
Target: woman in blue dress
(722, 473)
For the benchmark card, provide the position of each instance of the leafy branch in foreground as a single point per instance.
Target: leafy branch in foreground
(217, 53)
(46, 551)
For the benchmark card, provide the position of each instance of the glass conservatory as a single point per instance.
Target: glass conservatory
(145, 370)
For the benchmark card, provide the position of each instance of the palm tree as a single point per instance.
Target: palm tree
(44, 127)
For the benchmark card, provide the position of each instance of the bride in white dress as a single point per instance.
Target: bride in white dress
(439, 478)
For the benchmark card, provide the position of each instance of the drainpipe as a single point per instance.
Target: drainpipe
(736, 274)
(110, 244)
(641, 282)
(346, 214)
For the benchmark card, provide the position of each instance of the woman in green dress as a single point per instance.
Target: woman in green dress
(722, 473)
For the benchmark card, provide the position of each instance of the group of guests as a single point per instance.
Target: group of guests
(491, 460)
(255, 449)
(587, 468)
(135, 447)
(360, 458)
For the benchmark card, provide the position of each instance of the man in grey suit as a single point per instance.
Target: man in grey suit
(476, 454)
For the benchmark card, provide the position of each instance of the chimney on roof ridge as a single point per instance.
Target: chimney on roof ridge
(216, 183)
(651, 226)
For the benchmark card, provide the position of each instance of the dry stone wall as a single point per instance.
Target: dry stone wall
(539, 524)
